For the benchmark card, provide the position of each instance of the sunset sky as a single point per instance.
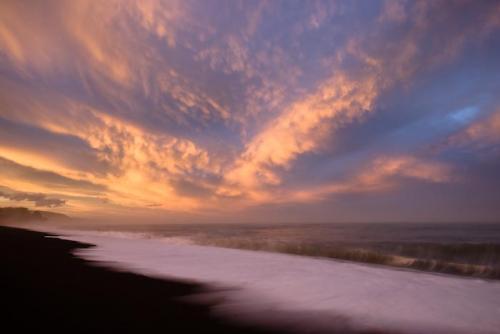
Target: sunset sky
(252, 110)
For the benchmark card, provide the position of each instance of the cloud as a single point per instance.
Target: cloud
(39, 200)
(301, 128)
(15, 173)
(403, 166)
(380, 175)
(485, 131)
(348, 96)
(184, 107)
(64, 150)
(480, 137)
(393, 11)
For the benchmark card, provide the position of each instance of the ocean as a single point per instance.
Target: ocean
(465, 249)
(319, 278)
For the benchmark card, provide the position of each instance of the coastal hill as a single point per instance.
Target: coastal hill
(21, 215)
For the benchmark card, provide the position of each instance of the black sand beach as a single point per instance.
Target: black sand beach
(46, 288)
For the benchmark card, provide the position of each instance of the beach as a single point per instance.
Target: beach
(196, 288)
(46, 288)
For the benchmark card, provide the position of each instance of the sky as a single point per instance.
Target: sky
(252, 110)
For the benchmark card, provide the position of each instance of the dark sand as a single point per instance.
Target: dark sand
(44, 288)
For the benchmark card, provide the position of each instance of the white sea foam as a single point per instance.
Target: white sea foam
(316, 292)
(65, 233)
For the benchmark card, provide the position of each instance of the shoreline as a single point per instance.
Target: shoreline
(46, 287)
(304, 294)
(223, 290)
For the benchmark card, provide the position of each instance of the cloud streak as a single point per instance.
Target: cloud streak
(39, 200)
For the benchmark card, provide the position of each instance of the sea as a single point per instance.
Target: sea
(463, 249)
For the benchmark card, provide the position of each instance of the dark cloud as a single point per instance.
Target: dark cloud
(39, 200)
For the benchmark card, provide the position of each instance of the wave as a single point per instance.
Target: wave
(173, 240)
(475, 260)
(298, 292)
(481, 259)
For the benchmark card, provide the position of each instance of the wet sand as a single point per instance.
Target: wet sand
(46, 288)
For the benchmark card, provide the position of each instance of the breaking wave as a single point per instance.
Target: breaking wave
(460, 249)
(475, 260)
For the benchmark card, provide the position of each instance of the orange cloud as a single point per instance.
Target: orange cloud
(480, 133)
(487, 130)
(301, 129)
(381, 174)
